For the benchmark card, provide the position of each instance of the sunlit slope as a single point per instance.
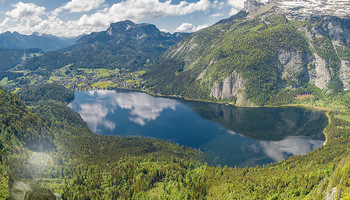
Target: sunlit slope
(248, 61)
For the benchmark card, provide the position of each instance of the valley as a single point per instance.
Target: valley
(283, 63)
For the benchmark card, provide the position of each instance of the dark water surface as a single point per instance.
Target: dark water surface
(227, 135)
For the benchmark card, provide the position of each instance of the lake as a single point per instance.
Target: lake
(227, 135)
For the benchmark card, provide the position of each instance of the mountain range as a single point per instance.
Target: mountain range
(123, 45)
(45, 42)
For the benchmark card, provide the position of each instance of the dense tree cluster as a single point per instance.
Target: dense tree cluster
(84, 165)
(46, 92)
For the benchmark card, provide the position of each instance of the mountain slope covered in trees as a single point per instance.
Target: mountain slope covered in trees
(250, 58)
(53, 152)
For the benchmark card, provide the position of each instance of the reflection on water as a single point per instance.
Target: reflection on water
(142, 107)
(226, 134)
(292, 145)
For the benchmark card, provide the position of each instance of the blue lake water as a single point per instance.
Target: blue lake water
(227, 135)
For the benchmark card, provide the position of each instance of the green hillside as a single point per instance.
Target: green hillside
(248, 61)
(53, 152)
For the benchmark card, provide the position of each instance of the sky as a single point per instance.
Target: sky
(69, 18)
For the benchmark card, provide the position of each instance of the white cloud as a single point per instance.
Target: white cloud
(142, 9)
(217, 15)
(236, 5)
(6, 21)
(76, 6)
(27, 18)
(164, 30)
(25, 10)
(189, 28)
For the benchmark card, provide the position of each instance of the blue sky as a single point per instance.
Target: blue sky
(75, 17)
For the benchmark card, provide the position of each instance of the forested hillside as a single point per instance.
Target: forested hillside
(58, 150)
(249, 60)
(54, 148)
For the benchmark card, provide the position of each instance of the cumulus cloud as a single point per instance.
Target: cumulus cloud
(164, 30)
(189, 28)
(25, 10)
(27, 18)
(142, 9)
(236, 5)
(6, 21)
(76, 6)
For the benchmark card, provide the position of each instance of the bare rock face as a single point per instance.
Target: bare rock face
(319, 73)
(344, 74)
(252, 5)
(292, 67)
(229, 87)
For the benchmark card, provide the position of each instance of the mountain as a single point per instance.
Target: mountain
(42, 41)
(259, 53)
(123, 45)
(12, 57)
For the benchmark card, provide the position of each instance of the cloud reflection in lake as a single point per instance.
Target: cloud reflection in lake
(226, 134)
(292, 145)
(142, 108)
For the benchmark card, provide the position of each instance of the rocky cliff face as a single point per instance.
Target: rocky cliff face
(229, 87)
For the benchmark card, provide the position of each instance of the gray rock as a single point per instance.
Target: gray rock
(229, 87)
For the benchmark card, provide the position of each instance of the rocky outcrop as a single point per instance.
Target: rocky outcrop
(319, 74)
(229, 87)
(344, 74)
(292, 67)
(252, 5)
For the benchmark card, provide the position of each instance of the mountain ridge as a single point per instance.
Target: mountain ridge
(117, 47)
(45, 42)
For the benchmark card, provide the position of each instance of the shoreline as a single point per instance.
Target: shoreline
(325, 110)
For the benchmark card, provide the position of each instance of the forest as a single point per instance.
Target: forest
(78, 164)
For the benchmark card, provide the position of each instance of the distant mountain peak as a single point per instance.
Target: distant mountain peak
(120, 26)
(129, 26)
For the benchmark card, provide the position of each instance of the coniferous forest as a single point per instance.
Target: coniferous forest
(48, 150)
